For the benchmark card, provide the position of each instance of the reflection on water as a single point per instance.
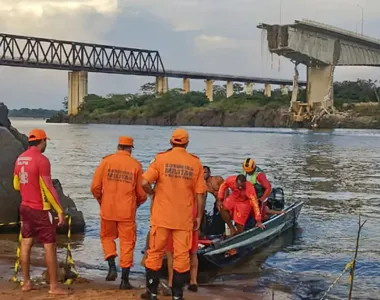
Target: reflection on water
(335, 172)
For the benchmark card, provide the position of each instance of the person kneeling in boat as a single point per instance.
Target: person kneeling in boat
(239, 203)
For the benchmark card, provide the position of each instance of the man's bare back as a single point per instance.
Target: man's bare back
(212, 182)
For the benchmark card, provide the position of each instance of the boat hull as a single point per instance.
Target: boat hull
(231, 251)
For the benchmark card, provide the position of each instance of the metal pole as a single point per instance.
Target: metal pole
(280, 12)
(362, 17)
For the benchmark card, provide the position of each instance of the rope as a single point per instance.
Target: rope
(348, 267)
(69, 258)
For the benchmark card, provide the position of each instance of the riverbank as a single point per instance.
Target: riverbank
(103, 291)
(97, 288)
(362, 116)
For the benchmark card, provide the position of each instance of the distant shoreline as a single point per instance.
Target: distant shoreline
(249, 118)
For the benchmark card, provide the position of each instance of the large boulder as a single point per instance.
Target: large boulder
(12, 144)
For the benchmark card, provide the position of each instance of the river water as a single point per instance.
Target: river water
(336, 172)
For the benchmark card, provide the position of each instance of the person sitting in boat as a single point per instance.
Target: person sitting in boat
(239, 203)
(257, 177)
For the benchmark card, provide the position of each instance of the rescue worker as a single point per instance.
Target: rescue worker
(116, 185)
(239, 203)
(257, 177)
(32, 177)
(193, 286)
(178, 178)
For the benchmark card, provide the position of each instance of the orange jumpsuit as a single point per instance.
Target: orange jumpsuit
(178, 176)
(117, 187)
(240, 202)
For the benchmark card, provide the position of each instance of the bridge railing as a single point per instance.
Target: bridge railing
(35, 52)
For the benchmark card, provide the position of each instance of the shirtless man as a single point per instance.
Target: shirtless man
(212, 183)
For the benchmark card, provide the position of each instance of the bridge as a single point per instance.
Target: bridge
(320, 48)
(80, 58)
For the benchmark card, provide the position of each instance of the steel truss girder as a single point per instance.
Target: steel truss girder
(32, 52)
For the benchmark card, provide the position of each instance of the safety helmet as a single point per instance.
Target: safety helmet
(249, 165)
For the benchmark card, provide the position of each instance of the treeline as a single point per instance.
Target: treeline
(32, 113)
(146, 103)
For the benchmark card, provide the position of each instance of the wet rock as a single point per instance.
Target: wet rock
(4, 121)
(12, 144)
(64, 272)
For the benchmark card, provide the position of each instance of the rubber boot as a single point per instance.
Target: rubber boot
(112, 271)
(179, 280)
(152, 282)
(125, 284)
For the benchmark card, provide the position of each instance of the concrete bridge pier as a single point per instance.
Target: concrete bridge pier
(210, 89)
(320, 87)
(78, 89)
(249, 86)
(186, 85)
(268, 90)
(162, 85)
(229, 89)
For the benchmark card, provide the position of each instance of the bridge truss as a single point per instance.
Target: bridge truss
(42, 53)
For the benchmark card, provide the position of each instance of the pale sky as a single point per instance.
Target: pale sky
(216, 36)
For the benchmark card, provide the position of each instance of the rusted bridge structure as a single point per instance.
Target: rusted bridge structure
(80, 58)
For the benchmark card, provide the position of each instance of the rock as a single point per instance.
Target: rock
(64, 272)
(12, 144)
(58, 118)
(4, 121)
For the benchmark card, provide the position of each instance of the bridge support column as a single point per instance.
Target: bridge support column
(268, 90)
(209, 89)
(162, 85)
(284, 90)
(320, 86)
(186, 85)
(78, 89)
(229, 89)
(249, 86)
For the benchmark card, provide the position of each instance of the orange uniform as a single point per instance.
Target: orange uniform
(240, 202)
(117, 187)
(178, 176)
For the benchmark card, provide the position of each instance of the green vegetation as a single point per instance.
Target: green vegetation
(147, 104)
(32, 113)
(351, 92)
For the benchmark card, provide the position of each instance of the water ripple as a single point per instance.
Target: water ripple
(335, 171)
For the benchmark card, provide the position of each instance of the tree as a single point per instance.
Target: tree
(219, 92)
(238, 88)
(148, 88)
(65, 104)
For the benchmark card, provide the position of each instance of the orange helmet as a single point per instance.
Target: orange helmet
(249, 165)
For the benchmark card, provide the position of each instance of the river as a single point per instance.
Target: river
(336, 172)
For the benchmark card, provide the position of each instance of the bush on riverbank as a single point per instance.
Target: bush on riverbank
(194, 108)
(174, 101)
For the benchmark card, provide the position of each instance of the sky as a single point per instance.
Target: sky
(216, 36)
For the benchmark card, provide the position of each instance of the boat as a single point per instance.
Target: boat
(218, 251)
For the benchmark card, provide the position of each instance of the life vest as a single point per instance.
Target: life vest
(253, 179)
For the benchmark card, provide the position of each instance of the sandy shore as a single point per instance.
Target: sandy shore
(102, 291)
(92, 284)
(97, 288)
